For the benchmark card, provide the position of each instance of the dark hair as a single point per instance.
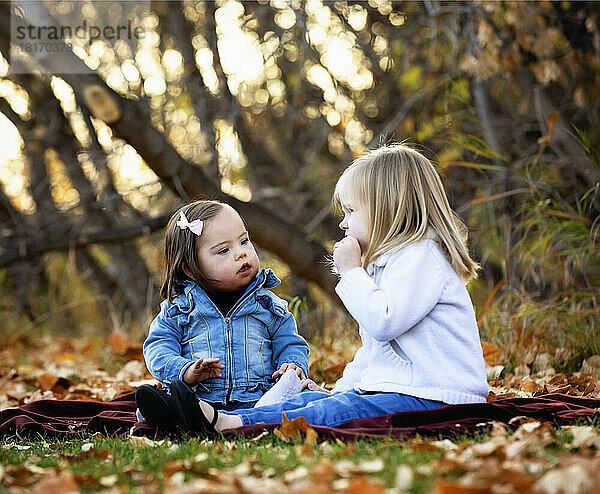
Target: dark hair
(181, 253)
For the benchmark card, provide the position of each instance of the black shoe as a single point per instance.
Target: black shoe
(156, 406)
(188, 409)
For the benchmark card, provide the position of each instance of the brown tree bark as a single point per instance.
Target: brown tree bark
(49, 125)
(130, 121)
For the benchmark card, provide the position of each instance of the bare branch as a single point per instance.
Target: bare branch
(28, 248)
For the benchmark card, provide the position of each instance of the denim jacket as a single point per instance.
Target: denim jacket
(253, 339)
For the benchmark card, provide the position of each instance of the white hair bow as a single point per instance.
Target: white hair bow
(194, 226)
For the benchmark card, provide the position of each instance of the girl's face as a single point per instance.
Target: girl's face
(227, 258)
(355, 226)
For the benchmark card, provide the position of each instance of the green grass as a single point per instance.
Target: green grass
(130, 462)
(139, 468)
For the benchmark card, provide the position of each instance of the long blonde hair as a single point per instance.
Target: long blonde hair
(402, 199)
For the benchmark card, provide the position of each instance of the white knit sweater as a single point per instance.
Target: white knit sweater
(418, 328)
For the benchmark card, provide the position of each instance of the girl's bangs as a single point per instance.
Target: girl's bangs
(346, 189)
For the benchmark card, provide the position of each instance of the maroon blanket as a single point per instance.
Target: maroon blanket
(64, 418)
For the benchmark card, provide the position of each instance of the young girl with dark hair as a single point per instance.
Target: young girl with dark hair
(221, 333)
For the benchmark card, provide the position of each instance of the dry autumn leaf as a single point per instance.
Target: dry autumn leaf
(57, 483)
(346, 468)
(531, 387)
(323, 472)
(122, 345)
(65, 359)
(48, 382)
(363, 485)
(584, 436)
(404, 477)
(292, 429)
(21, 475)
(580, 475)
(173, 467)
(491, 353)
(443, 486)
(142, 441)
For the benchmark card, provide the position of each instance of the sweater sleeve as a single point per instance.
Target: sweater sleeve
(410, 287)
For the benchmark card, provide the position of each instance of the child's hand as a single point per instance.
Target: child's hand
(346, 254)
(313, 386)
(279, 372)
(202, 369)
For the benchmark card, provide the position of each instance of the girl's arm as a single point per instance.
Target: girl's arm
(288, 346)
(162, 349)
(411, 286)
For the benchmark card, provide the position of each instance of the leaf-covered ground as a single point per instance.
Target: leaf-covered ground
(535, 458)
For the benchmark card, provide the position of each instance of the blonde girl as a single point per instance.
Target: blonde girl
(403, 264)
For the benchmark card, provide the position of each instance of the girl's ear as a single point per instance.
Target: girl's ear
(187, 271)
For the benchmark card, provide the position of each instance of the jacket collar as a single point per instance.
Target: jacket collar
(264, 278)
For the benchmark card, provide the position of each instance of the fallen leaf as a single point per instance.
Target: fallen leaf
(530, 387)
(65, 359)
(172, 467)
(323, 472)
(87, 447)
(201, 457)
(56, 483)
(48, 382)
(456, 487)
(39, 395)
(577, 475)
(118, 341)
(491, 353)
(419, 446)
(292, 429)
(363, 486)
(108, 481)
(584, 436)
(558, 379)
(21, 475)
(493, 371)
(134, 370)
(142, 441)
(122, 345)
(404, 477)
(490, 447)
(298, 473)
(347, 468)
(522, 370)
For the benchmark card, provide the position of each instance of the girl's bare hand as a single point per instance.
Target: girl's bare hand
(346, 255)
(279, 372)
(203, 369)
(313, 386)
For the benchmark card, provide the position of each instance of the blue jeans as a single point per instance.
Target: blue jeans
(334, 409)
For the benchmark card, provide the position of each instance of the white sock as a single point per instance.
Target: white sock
(288, 385)
(224, 421)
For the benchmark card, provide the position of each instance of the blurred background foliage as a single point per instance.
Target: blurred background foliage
(263, 104)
